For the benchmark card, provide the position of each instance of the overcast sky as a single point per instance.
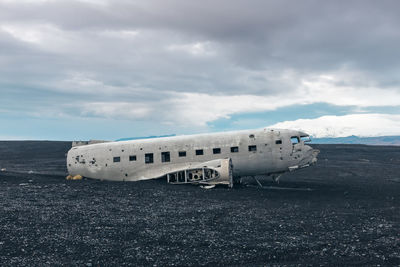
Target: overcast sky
(98, 69)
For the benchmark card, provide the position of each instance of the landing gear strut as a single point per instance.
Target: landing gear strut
(275, 177)
(258, 182)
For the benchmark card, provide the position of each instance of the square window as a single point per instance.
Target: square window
(278, 142)
(253, 148)
(294, 140)
(117, 159)
(165, 157)
(148, 158)
(234, 149)
(199, 152)
(182, 153)
(132, 158)
(217, 150)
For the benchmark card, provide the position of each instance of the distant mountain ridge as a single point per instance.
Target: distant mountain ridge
(378, 140)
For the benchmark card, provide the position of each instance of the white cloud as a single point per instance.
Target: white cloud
(78, 82)
(196, 49)
(190, 109)
(40, 2)
(121, 34)
(363, 125)
(95, 2)
(88, 84)
(23, 34)
(25, 1)
(342, 89)
(198, 109)
(118, 110)
(201, 108)
(46, 37)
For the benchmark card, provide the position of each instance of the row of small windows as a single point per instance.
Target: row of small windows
(166, 156)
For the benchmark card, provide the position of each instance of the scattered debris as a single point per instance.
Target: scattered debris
(207, 186)
(3, 169)
(76, 177)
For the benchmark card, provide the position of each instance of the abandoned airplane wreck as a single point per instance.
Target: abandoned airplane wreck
(209, 159)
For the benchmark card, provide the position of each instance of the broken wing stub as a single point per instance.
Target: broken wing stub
(212, 172)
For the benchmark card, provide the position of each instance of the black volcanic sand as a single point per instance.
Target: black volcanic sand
(344, 211)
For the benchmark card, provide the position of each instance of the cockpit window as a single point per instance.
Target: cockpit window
(305, 138)
(294, 140)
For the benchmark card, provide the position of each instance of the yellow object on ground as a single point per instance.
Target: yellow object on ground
(77, 177)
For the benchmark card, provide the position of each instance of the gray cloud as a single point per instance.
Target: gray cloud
(258, 34)
(54, 53)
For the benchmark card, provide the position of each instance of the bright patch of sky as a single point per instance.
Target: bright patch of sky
(110, 69)
(363, 125)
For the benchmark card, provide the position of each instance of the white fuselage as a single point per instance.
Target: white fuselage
(253, 152)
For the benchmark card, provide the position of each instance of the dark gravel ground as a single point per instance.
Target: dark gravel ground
(344, 211)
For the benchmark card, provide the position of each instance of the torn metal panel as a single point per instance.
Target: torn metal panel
(210, 173)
